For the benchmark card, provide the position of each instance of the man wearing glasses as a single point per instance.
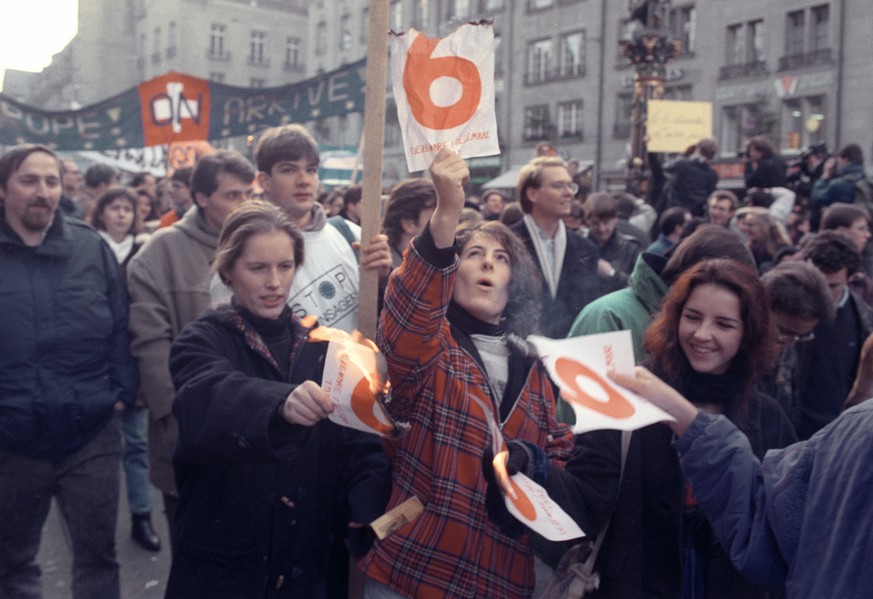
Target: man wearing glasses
(567, 261)
(799, 300)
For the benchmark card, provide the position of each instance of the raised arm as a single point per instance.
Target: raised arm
(449, 173)
(413, 329)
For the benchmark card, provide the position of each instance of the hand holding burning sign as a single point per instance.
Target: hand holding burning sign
(355, 380)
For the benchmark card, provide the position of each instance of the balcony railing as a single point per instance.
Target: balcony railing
(258, 61)
(218, 56)
(293, 67)
(548, 75)
(748, 69)
(807, 59)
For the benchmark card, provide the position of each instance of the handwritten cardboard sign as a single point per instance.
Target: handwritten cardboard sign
(579, 365)
(672, 125)
(444, 92)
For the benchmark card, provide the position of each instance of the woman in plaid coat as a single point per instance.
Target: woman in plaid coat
(460, 382)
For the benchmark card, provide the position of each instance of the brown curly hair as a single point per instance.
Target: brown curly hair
(757, 348)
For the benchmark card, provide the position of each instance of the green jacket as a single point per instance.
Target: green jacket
(629, 308)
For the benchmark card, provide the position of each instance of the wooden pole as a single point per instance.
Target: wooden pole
(374, 132)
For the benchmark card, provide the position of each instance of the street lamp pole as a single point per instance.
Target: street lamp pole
(649, 50)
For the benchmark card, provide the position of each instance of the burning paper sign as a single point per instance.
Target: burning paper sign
(579, 366)
(532, 506)
(355, 378)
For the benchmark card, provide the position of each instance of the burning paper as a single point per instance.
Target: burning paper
(579, 365)
(355, 378)
(532, 506)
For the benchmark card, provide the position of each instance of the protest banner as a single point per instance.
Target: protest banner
(579, 366)
(175, 107)
(444, 92)
(672, 126)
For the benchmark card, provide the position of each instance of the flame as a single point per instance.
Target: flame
(364, 356)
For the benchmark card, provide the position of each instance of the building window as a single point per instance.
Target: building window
(536, 123)
(393, 135)
(365, 24)
(396, 15)
(806, 45)
(171, 39)
(216, 76)
(623, 105)
(256, 47)
(345, 41)
(540, 4)
(498, 54)
(256, 83)
(738, 123)
(492, 5)
(539, 61)
(421, 15)
(803, 122)
(745, 50)
(292, 52)
(320, 38)
(683, 26)
(818, 38)
(572, 59)
(679, 92)
(216, 39)
(570, 119)
(795, 32)
(736, 44)
(459, 9)
(156, 46)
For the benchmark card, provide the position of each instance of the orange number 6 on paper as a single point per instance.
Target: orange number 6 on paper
(419, 74)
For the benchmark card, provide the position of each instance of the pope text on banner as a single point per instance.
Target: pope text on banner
(444, 91)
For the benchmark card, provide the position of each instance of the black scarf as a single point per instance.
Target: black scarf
(724, 390)
(471, 325)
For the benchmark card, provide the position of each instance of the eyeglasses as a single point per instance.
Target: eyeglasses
(785, 337)
(562, 185)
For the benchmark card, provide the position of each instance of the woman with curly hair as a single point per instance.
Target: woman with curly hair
(451, 312)
(712, 341)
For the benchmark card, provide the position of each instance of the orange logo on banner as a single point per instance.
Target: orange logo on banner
(616, 406)
(175, 107)
(419, 74)
(186, 153)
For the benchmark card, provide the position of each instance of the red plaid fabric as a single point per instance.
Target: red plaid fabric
(452, 549)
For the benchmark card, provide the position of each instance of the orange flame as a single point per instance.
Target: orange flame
(363, 354)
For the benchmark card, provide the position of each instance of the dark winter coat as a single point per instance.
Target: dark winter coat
(262, 503)
(693, 182)
(577, 285)
(64, 348)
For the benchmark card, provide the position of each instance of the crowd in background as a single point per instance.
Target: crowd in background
(159, 330)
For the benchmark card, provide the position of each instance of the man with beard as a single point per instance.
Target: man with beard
(64, 370)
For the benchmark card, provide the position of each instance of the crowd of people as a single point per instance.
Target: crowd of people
(164, 329)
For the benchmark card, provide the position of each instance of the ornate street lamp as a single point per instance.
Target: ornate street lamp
(648, 50)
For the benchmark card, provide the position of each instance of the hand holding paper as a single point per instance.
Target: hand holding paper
(580, 367)
(355, 380)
